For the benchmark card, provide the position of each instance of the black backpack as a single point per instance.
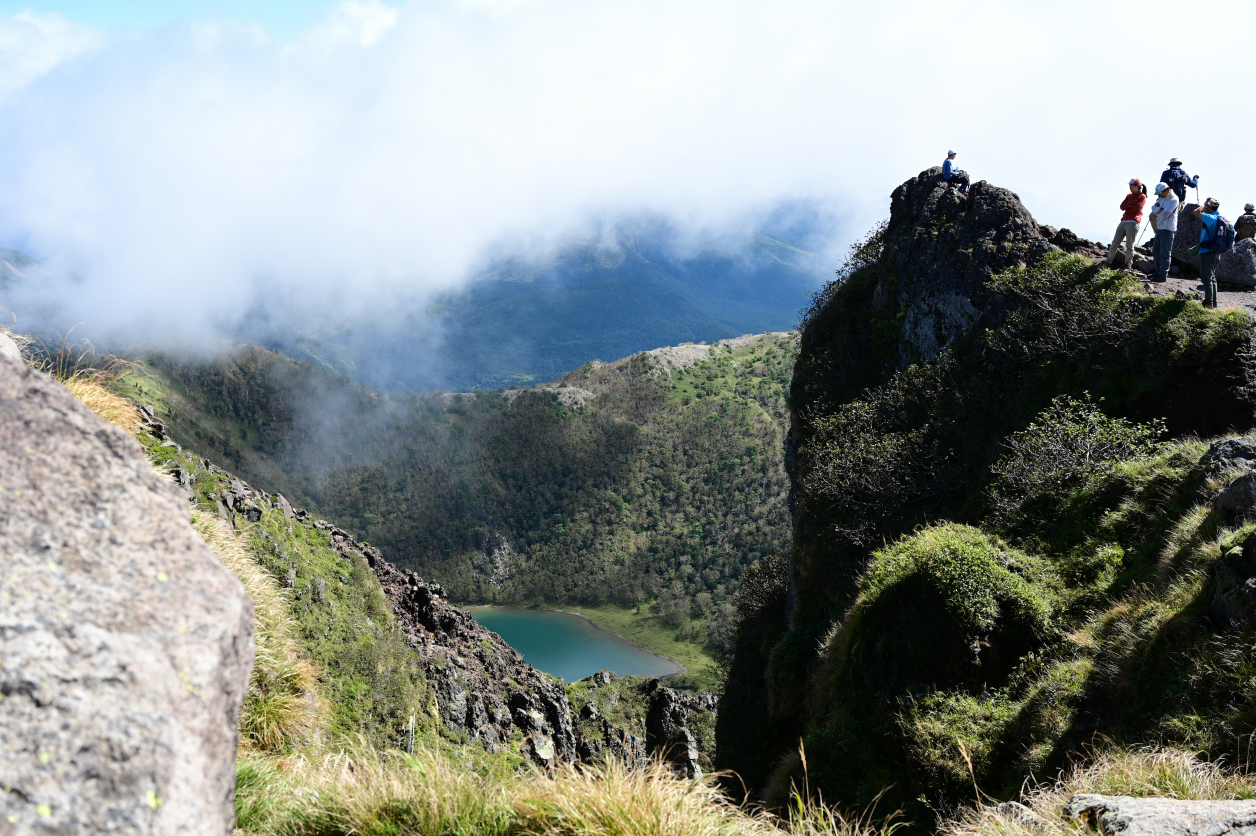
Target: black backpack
(1174, 178)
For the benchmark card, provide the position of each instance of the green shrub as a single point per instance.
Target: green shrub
(948, 604)
(1067, 444)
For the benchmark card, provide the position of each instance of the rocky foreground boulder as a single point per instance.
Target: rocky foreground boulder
(125, 646)
(1120, 814)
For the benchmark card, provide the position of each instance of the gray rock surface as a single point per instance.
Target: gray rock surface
(1238, 266)
(1113, 814)
(1231, 454)
(9, 349)
(1187, 236)
(125, 646)
(1240, 497)
(1234, 601)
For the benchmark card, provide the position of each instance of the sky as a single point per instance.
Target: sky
(208, 161)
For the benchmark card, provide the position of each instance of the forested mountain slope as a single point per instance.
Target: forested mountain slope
(530, 319)
(658, 476)
(1008, 540)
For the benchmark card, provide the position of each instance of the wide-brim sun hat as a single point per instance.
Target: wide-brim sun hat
(1173, 160)
(1247, 207)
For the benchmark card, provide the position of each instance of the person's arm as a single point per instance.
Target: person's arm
(1198, 213)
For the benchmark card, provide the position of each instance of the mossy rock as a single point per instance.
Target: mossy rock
(948, 606)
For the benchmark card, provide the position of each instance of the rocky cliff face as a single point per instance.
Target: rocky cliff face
(955, 328)
(125, 646)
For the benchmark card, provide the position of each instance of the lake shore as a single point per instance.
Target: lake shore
(678, 668)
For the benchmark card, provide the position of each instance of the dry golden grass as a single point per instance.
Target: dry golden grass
(91, 387)
(368, 793)
(280, 710)
(1150, 773)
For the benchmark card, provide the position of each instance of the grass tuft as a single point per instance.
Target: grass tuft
(1161, 773)
(280, 710)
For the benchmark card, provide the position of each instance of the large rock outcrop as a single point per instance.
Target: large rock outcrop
(945, 246)
(125, 646)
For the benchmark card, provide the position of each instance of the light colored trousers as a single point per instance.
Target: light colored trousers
(1127, 231)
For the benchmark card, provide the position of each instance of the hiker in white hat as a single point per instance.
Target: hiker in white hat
(1164, 214)
(953, 175)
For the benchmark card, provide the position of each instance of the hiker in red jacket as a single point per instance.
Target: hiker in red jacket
(1127, 229)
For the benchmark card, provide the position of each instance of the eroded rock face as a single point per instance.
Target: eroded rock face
(947, 245)
(125, 646)
(1113, 814)
(1188, 228)
(484, 689)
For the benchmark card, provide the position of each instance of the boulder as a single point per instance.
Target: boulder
(1232, 454)
(1234, 575)
(125, 646)
(1187, 236)
(9, 349)
(1240, 497)
(1238, 266)
(1113, 814)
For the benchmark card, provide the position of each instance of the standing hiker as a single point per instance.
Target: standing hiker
(1245, 226)
(1164, 220)
(954, 175)
(1127, 229)
(1215, 237)
(1177, 179)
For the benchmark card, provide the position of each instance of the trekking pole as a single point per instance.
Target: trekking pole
(1143, 231)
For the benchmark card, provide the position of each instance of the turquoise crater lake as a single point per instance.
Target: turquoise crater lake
(570, 646)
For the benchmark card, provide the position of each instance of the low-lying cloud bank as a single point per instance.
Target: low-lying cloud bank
(198, 180)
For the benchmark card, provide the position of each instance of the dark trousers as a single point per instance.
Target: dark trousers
(1208, 261)
(1162, 252)
(960, 178)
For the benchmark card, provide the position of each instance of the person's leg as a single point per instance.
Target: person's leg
(1131, 236)
(962, 177)
(1164, 253)
(1155, 255)
(1115, 245)
(1207, 261)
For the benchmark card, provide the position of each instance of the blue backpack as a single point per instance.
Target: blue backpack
(1222, 236)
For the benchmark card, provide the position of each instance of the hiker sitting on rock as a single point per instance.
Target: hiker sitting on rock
(1127, 229)
(1215, 237)
(953, 175)
(1245, 226)
(1177, 179)
(1164, 221)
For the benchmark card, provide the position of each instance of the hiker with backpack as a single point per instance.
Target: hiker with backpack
(1127, 229)
(1164, 221)
(1216, 236)
(954, 175)
(1245, 226)
(1177, 179)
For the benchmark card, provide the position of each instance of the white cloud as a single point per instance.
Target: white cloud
(34, 44)
(360, 22)
(179, 173)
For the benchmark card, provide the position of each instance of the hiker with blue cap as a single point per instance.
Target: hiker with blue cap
(954, 175)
